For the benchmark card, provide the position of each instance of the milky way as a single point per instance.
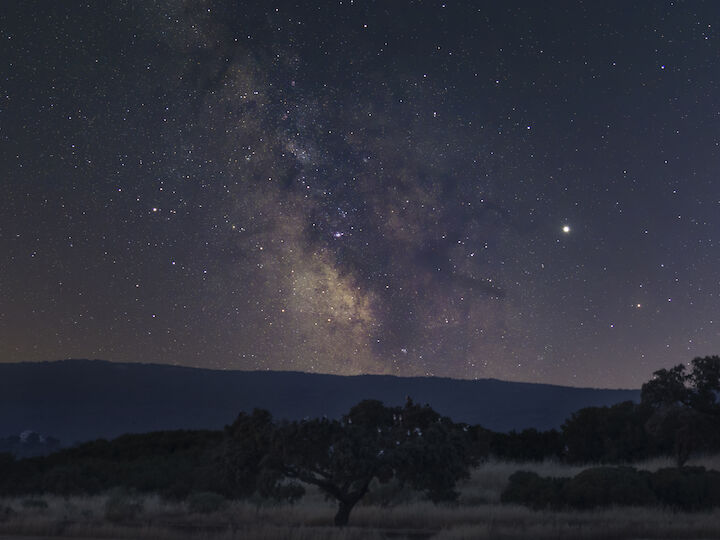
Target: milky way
(414, 188)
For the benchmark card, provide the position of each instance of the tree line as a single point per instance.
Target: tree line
(411, 445)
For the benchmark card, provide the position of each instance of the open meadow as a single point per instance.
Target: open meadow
(387, 512)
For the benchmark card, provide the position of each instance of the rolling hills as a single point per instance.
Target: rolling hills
(78, 400)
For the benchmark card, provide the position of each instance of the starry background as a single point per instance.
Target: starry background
(519, 190)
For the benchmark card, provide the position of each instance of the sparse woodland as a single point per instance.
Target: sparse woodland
(389, 462)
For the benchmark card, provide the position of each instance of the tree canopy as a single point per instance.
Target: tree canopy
(412, 444)
(685, 407)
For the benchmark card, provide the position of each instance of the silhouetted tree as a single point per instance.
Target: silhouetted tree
(697, 389)
(481, 441)
(246, 453)
(412, 444)
(527, 445)
(606, 434)
(172, 463)
(7, 460)
(684, 407)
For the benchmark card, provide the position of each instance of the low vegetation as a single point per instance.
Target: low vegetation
(477, 513)
(401, 471)
(678, 488)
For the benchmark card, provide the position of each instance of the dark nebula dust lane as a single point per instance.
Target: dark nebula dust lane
(463, 189)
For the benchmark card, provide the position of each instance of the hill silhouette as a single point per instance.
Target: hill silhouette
(79, 400)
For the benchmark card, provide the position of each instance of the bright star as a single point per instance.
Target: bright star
(566, 229)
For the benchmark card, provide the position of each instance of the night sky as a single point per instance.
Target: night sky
(520, 190)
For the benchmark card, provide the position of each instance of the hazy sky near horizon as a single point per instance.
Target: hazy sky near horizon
(520, 190)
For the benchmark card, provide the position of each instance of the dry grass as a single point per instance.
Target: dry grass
(489, 479)
(417, 520)
(709, 462)
(478, 515)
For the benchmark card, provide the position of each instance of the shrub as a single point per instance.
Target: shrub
(67, 479)
(687, 488)
(122, 505)
(530, 489)
(39, 504)
(7, 512)
(206, 502)
(607, 486)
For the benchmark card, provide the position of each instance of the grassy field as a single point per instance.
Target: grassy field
(478, 514)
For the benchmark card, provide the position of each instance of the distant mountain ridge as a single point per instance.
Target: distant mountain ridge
(29, 444)
(78, 400)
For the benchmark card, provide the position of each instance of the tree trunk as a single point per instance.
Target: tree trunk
(343, 513)
(684, 443)
(347, 502)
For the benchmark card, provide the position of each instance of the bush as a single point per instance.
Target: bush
(122, 505)
(40, 504)
(529, 489)
(7, 512)
(69, 478)
(687, 488)
(608, 486)
(206, 502)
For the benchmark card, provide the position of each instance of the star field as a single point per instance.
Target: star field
(519, 190)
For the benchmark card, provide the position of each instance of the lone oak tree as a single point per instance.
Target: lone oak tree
(412, 444)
